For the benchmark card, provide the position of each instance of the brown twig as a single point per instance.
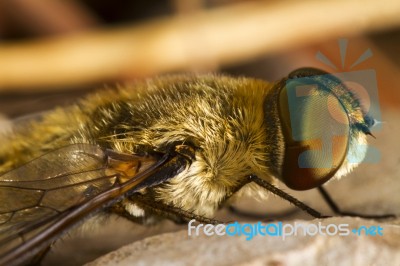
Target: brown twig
(220, 36)
(46, 17)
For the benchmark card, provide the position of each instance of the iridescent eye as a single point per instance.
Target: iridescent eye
(315, 126)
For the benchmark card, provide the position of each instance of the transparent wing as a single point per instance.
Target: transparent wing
(47, 195)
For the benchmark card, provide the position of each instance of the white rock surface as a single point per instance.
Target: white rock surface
(180, 249)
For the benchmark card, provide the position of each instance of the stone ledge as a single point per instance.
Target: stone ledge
(180, 249)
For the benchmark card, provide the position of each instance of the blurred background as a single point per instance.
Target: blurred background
(53, 52)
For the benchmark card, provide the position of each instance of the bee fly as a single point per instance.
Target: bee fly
(176, 147)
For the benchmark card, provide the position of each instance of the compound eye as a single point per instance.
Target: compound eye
(316, 130)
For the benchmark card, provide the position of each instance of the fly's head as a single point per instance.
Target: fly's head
(323, 126)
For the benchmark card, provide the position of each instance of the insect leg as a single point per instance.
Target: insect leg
(286, 196)
(160, 209)
(174, 213)
(251, 215)
(335, 208)
(120, 210)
